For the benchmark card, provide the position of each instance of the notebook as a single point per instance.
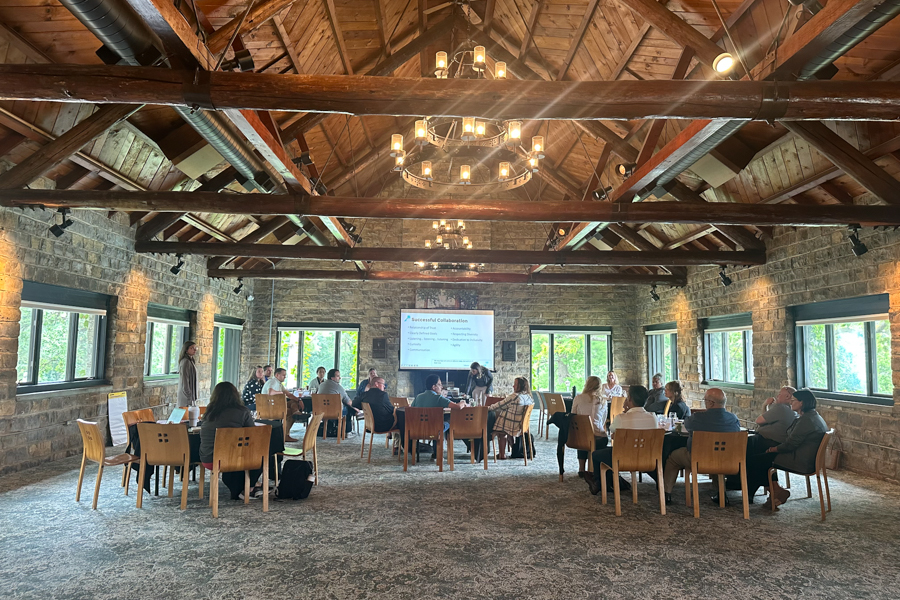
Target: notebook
(177, 416)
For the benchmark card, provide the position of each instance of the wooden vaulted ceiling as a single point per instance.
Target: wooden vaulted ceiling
(586, 40)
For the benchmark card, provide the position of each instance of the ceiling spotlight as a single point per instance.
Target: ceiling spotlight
(348, 227)
(175, 270)
(625, 169)
(357, 239)
(723, 63)
(653, 295)
(601, 193)
(561, 231)
(241, 61)
(305, 158)
(857, 246)
(240, 286)
(726, 280)
(59, 230)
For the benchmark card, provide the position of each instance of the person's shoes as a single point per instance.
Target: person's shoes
(780, 494)
(256, 493)
(289, 439)
(593, 485)
(767, 505)
(668, 499)
(350, 434)
(396, 451)
(715, 499)
(581, 474)
(624, 486)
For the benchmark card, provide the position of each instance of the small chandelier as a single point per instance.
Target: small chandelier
(448, 235)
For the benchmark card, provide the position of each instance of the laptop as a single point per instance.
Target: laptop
(177, 416)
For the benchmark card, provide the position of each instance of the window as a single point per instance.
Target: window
(662, 352)
(728, 349)
(227, 350)
(168, 329)
(62, 338)
(304, 347)
(844, 349)
(563, 358)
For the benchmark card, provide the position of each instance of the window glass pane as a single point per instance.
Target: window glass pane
(568, 361)
(157, 343)
(715, 356)
(349, 345)
(816, 358)
(84, 349)
(289, 344)
(54, 346)
(850, 358)
(599, 357)
(318, 349)
(219, 333)
(668, 362)
(540, 361)
(750, 375)
(883, 358)
(735, 356)
(22, 363)
(176, 332)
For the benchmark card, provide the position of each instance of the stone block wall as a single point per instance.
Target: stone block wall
(95, 254)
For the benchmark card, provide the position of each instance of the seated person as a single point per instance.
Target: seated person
(366, 384)
(714, 418)
(772, 425)
(385, 415)
(657, 394)
(332, 385)
(588, 403)
(316, 381)
(634, 417)
(253, 387)
(432, 398)
(797, 452)
(611, 388)
(275, 386)
(672, 392)
(509, 414)
(226, 409)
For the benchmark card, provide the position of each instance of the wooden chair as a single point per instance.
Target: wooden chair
(635, 450)
(468, 424)
(94, 451)
(541, 404)
(820, 472)
(489, 400)
(399, 401)
(424, 424)
(527, 448)
(309, 447)
(718, 454)
(240, 449)
(616, 407)
(146, 415)
(131, 417)
(274, 407)
(166, 445)
(331, 407)
(668, 406)
(369, 427)
(581, 437)
(555, 404)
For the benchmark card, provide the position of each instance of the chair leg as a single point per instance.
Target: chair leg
(125, 469)
(387, 439)
(524, 447)
(406, 452)
(362, 448)
(787, 480)
(662, 491)
(696, 489)
(128, 480)
(821, 496)
(246, 487)
(214, 491)
(371, 440)
(484, 447)
(184, 482)
(687, 488)
(450, 449)
(827, 491)
(493, 449)
(316, 465)
(634, 482)
(721, 479)
(80, 478)
(808, 488)
(141, 475)
(603, 470)
(744, 496)
(616, 491)
(97, 486)
(171, 479)
(200, 480)
(265, 476)
(440, 453)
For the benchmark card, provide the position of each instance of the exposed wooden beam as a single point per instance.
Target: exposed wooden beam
(488, 21)
(689, 237)
(264, 230)
(338, 36)
(530, 24)
(10, 141)
(618, 145)
(594, 180)
(576, 41)
(287, 43)
(23, 45)
(854, 163)
(725, 213)
(72, 177)
(380, 20)
(656, 128)
(259, 14)
(629, 51)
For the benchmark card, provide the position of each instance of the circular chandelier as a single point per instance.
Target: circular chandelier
(448, 236)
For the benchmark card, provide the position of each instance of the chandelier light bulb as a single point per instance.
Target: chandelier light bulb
(446, 246)
(537, 143)
(443, 222)
(460, 225)
(439, 239)
(515, 130)
(479, 128)
(421, 129)
(465, 173)
(504, 170)
(465, 240)
(441, 60)
(500, 70)
(468, 124)
(420, 264)
(428, 243)
(469, 246)
(399, 160)
(479, 55)
(434, 224)
(396, 142)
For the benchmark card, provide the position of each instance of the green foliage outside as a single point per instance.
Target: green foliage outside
(850, 358)
(816, 356)
(176, 333)
(220, 354)
(157, 341)
(318, 350)
(540, 361)
(349, 351)
(289, 346)
(569, 360)
(599, 356)
(716, 370)
(883, 357)
(735, 356)
(84, 348)
(54, 346)
(24, 344)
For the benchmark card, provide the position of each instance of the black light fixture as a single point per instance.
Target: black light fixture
(726, 280)
(357, 239)
(562, 231)
(242, 61)
(348, 227)
(59, 230)
(240, 286)
(653, 295)
(601, 193)
(856, 246)
(175, 270)
(625, 169)
(305, 159)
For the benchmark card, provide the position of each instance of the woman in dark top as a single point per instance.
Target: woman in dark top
(678, 406)
(253, 387)
(480, 383)
(226, 409)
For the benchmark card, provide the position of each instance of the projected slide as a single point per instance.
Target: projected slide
(446, 339)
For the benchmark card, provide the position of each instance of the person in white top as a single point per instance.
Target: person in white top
(611, 388)
(589, 403)
(275, 386)
(634, 417)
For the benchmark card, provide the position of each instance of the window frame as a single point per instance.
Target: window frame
(866, 310)
(723, 325)
(168, 316)
(231, 368)
(41, 297)
(301, 328)
(656, 350)
(587, 332)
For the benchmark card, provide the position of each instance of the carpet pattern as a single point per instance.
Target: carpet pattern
(373, 531)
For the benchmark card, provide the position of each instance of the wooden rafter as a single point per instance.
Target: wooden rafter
(530, 25)
(259, 14)
(577, 39)
(288, 44)
(629, 51)
(380, 20)
(338, 36)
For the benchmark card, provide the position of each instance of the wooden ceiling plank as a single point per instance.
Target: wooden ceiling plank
(577, 39)
(287, 43)
(380, 20)
(629, 51)
(72, 177)
(338, 36)
(259, 14)
(738, 235)
(530, 25)
(10, 141)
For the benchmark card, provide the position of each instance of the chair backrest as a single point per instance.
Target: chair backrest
(470, 422)
(581, 433)
(132, 417)
(147, 415)
(271, 406)
(538, 398)
(369, 417)
(312, 428)
(616, 407)
(526, 419)
(555, 403)
(328, 404)
(718, 453)
(164, 444)
(425, 423)
(823, 447)
(399, 401)
(489, 400)
(93, 440)
(241, 448)
(668, 406)
(637, 449)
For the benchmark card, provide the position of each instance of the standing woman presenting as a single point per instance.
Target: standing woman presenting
(187, 375)
(480, 383)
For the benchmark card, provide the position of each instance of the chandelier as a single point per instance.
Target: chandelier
(448, 236)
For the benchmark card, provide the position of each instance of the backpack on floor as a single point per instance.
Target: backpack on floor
(332, 428)
(517, 447)
(296, 480)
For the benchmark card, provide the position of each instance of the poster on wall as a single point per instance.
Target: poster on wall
(117, 403)
(441, 298)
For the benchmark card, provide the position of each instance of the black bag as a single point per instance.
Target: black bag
(296, 480)
(517, 447)
(332, 428)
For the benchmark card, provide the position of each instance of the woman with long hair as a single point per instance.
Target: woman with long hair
(679, 406)
(226, 409)
(187, 375)
(589, 403)
(510, 411)
(611, 388)
(253, 387)
(480, 383)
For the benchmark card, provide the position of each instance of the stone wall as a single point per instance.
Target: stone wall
(95, 254)
(804, 265)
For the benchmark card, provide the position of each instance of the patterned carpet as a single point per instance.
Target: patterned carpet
(372, 531)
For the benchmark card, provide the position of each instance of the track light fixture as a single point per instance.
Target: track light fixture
(856, 246)
(726, 280)
(241, 61)
(175, 270)
(304, 159)
(653, 295)
(601, 193)
(59, 230)
(626, 169)
(348, 227)
(240, 286)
